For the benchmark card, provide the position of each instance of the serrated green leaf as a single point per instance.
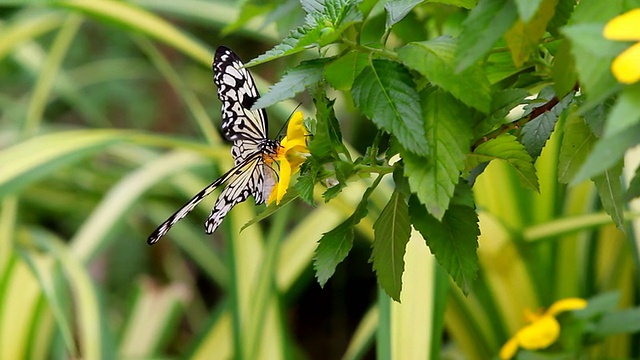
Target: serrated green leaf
(527, 8)
(384, 91)
(453, 241)
(577, 142)
(341, 73)
(434, 179)
(305, 185)
(398, 9)
(506, 147)
(333, 248)
(485, 24)
(296, 80)
(563, 12)
(596, 11)
(563, 70)
(609, 187)
(391, 235)
(324, 23)
(297, 40)
(593, 55)
(435, 60)
(536, 132)
(327, 139)
(522, 39)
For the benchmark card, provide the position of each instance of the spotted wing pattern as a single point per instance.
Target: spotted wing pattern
(251, 174)
(237, 91)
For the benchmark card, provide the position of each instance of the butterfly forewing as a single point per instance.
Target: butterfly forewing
(247, 128)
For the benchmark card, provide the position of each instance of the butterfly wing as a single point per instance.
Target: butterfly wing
(164, 228)
(237, 91)
(248, 130)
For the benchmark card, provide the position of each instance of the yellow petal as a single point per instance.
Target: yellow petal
(296, 129)
(283, 183)
(626, 67)
(509, 349)
(624, 27)
(566, 305)
(540, 334)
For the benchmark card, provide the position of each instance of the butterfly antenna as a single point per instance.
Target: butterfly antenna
(286, 122)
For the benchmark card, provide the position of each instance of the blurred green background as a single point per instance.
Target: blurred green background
(109, 123)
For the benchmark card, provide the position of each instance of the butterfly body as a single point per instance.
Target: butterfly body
(253, 152)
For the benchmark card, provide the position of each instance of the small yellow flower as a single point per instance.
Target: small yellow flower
(291, 154)
(626, 66)
(543, 329)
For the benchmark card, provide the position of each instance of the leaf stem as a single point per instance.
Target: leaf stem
(520, 122)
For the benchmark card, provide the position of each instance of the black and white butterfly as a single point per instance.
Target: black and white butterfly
(252, 150)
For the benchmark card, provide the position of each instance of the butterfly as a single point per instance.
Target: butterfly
(252, 150)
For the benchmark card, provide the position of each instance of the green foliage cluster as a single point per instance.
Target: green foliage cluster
(443, 101)
(413, 101)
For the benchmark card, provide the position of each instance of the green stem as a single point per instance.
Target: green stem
(265, 290)
(556, 228)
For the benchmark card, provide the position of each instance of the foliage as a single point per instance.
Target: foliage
(481, 130)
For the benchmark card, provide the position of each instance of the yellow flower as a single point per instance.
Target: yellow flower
(543, 329)
(291, 154)
(625, 67)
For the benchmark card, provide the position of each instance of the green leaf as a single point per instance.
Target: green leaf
(341, 73)
(134, 18)
(33, 159)
(433, 179)
(502, 102)
(334, 246)
(596, 11)
(609, 187)
(506, 147)
(453, 241)
(577, 142)
(485, 24)
(391, 234)
(593, 55)
(607, 152)
(296, 80)
(536, 132)
(633, 191)
(324, 23)
(527, 8)
(384, 91)
(619, 322)
(435, 60)
(305, 185)
(398, 9)
(522, 39)
(327, 139)
(625, 113)
(563, 70)
(467, 4)
(563, 12)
